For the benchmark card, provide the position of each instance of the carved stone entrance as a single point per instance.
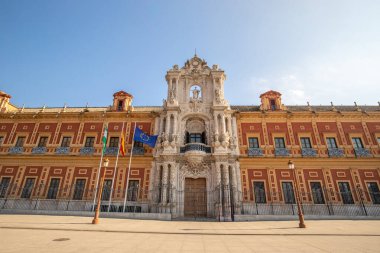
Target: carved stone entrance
(195, 197)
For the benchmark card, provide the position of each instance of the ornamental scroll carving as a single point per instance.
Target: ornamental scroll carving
(195, 126)
(194, 170)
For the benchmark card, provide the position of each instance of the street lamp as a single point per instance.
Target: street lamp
(298, 199)
(100, 192)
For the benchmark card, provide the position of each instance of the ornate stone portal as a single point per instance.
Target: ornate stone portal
(198, 136)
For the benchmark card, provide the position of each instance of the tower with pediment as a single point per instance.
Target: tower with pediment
(196, 169)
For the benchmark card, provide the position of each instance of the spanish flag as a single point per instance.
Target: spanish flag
(122, 145)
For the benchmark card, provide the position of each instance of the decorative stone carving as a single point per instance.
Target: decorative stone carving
(218, 95)
(195, 126)
(194, 170)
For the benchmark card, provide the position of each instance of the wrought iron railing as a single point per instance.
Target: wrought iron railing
(335, 152)
(221, 201)
(138, 151)
(309, 152)
(111, 151)
(362, 152)
(87, 150)
(195, 147)
(16, 150)
(255, 152)
(62, 150)
(281, 152)
(39, 150)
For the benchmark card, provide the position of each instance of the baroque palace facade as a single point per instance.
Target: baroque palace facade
(211, 159)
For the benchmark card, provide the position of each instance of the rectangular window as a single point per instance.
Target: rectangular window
(345, 193)
(287, 188)
(378, 140)
(374, 192)
(53, 188)
(79, 189)
(20, 141)
(133, 190)
(5, 181)
(66, 141)
(317, 192)
(259, 190)
(357, 143)
(195, 138)
(331, 143)
(279, 142)
(114, 142)
(253, 142)
(1, 140)
(107, 189)
(305, 142)
(28, 188)
(43, 141)
(89, 142)
(138, 144)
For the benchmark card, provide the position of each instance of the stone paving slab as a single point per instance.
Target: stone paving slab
(33, 233)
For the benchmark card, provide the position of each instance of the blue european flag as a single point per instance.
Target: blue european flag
(144, 138)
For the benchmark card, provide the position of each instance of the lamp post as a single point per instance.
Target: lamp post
(100, 192)
(298, 199)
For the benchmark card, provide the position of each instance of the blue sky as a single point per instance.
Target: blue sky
(74, 52)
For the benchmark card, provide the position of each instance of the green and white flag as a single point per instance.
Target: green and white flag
(104, 139)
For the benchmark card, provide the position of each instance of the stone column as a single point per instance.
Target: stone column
(226, 193)
(235, 190)
(164, 184)
(223, 125)
(156, 125)
(216, 130)
(169, 87)
(161, 124)
(167, 130)
(216, 124)
(230, 125)
(175, 124)
(218, 190)
(173, 187)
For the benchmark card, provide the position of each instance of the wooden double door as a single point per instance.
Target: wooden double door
(195, 197)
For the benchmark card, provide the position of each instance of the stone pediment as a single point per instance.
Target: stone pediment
(196, 66)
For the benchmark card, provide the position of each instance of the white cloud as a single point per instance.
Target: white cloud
(342, 80)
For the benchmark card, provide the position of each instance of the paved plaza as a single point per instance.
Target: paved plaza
(34, 233)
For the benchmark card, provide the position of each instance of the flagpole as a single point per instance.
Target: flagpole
(129, 168)
(115, 170)
(97, 178)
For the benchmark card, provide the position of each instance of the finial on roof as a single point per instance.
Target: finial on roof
(357, 107)
(308, 105)
(378, 102)
(195, 54)
(333, 107)
(87, 105)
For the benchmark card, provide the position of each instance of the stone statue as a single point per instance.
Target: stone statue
(171, 95)
(196, 93)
